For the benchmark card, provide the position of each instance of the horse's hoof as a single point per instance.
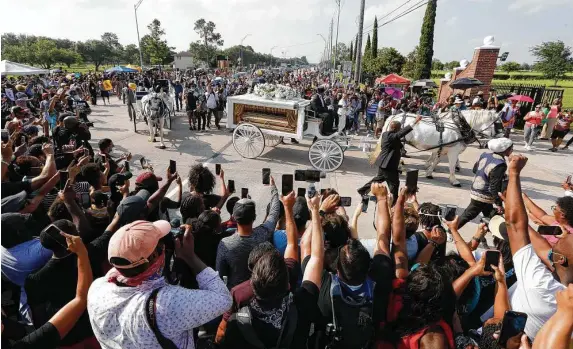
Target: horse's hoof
(457, 185)
(458, 169)
(162, 147)
(430, 177)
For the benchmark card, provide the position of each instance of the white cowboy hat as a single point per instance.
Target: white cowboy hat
(497, 227)
(458, 101)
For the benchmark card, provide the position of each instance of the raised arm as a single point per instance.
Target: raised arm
(313, 270)
(383, 221)
(462, 282)
(501, 302)
(275, 209)
(399, 237)
(291, 231)
(556, 333)
(354, 221)
(68, 195)
(156, 197)
(224, 192)
(49, 168)
(515, 214)
(537, 211)
(66, 318)
(45, 189)
(463, 249)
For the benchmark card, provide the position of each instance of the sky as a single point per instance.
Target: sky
(292, 26)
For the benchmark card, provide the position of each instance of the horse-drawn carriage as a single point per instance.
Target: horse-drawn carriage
(156, 115)
(258, 122)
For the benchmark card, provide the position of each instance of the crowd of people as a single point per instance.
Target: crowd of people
(92, 257)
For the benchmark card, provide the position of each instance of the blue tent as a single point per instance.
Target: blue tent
(121, 69)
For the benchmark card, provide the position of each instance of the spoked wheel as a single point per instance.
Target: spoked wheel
(325, 155)
(248, 141)
(273, 141)
(344, 142)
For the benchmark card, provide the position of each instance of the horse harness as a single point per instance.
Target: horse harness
(466, 131)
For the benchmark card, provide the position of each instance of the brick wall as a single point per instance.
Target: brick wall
(481, 67)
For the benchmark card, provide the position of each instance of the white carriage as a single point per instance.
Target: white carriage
(258, 121)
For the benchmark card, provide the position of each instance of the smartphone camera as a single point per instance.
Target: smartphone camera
(266, 176)
(345, 201)
(311, 176)
(365, 201)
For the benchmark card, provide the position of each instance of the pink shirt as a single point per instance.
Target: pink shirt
(534, 118)
(553, 112)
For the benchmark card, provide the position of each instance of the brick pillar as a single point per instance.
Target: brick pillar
(486, 60)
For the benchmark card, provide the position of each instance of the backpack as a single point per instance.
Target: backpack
(244, 322)
(150, 306)
(352, 324)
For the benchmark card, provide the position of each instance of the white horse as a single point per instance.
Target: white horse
(156, 118)
(425, 136)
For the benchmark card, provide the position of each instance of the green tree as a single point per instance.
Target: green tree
(510, 66)
(437, 64)
(375, 38)
(46, 53)
(525, 66)
(131, 54)
(426, 45)
(210, 40)
(410, 65)
(154, 46)
(367, 57)
(94, 51)
(451, 65)
(553, 59)
(388, 60)
(111, 40)
(342, 52)
(68, 57)
(351, 50)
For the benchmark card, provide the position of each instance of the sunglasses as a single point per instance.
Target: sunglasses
(560, 258)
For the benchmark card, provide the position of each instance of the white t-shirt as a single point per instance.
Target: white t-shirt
(211, 100)
(534, 291)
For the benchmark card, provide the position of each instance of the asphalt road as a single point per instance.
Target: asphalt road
(541, 177)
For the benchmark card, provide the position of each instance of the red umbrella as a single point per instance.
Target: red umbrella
(521, 98)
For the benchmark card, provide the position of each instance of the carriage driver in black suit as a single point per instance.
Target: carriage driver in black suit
(389, 158)
(318, 105)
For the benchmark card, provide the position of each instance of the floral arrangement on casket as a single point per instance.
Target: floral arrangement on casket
(271, 91)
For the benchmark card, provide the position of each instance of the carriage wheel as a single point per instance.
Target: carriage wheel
(248, 141)
(273, 141)
(325, 155)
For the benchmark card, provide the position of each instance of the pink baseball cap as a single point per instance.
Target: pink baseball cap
(135, 242)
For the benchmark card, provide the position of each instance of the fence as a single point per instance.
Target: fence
(539, 93)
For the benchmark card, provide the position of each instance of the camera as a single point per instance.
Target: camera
(334, 334)
(311, 176)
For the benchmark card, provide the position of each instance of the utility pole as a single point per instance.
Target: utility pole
(336, 41)
(135, 7)
(330, 37)
(358, 71)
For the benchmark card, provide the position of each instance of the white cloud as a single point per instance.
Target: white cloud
(533, 6)
(452, 21)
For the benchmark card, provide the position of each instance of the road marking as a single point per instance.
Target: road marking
(172, 192)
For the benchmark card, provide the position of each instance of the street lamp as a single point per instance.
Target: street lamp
(135, 7)
(272, 48)
(243, 39)
(336, 42)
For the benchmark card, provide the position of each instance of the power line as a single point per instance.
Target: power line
(389, 13)
(400, 15)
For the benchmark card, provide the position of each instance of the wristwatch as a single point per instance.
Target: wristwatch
(321, 213)
(435, 244)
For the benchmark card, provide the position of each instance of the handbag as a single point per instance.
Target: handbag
(164, 342)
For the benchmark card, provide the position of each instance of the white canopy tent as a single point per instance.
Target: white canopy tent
(13, 68)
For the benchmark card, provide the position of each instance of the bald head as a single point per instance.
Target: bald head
(395, 126)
